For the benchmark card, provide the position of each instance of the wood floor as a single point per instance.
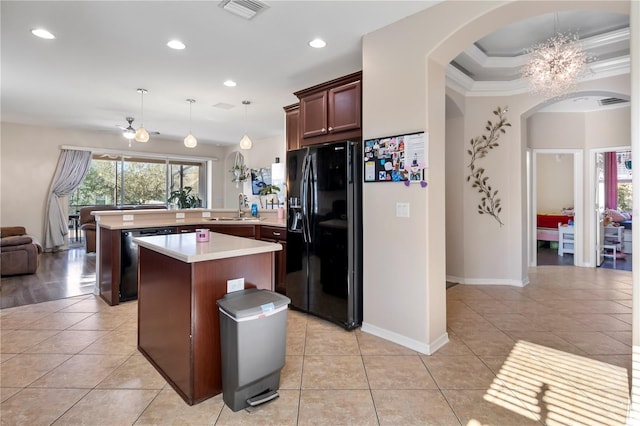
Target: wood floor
(61, 274)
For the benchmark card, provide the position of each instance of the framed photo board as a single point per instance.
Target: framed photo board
(395, 158)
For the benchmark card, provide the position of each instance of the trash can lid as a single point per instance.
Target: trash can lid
(251, 302)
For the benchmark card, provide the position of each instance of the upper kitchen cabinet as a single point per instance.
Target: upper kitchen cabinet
(331, 111)
(292, 120)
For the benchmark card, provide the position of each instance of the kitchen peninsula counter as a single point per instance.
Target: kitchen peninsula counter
(111, 244)
(180, 281)
(128, 219)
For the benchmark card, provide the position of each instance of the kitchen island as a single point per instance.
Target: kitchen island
(180, 281)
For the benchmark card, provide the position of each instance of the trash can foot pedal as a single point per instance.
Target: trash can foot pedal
(262, 398)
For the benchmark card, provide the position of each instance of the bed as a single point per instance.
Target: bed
(547, 225)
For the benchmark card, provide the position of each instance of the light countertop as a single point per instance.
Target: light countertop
(184, 247)
(129, 219)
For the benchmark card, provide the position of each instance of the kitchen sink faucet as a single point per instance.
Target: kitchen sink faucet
(242, 202)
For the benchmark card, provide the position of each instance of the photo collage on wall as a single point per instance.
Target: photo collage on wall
(395, 159)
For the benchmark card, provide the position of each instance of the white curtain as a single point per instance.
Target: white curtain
(72, 167)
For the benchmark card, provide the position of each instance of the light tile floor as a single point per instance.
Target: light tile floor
(557, 350)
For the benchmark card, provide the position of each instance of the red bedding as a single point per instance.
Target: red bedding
(551, 220)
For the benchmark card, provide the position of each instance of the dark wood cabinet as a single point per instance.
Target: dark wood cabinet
(331, 111)
(277, 235)
(179, 322)
(247, 231)
(292, 120)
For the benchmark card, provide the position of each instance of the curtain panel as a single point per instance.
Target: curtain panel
(73, 166)
(610, 181)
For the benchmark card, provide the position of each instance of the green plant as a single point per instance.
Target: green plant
(240, 173)
(184, 198)
(269, 189)
(480, 147)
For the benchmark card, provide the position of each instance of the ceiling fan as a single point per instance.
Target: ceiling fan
(129, 132)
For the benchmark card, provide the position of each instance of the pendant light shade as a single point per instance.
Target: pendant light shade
(190, 141)
(141, 134)
(245, 142)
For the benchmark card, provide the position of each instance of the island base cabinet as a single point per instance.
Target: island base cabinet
(178, 319)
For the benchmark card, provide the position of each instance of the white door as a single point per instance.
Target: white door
(599, 208)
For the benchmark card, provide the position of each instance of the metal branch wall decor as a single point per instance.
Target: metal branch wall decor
(480, 147)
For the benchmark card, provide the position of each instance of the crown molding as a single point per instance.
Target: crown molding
(465, 85)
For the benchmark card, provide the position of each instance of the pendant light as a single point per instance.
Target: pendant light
(141, 134)
(245, 142)
(190, 141)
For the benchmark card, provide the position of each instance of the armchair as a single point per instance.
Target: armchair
(19, 252)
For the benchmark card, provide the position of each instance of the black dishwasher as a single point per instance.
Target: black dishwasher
(129, 258)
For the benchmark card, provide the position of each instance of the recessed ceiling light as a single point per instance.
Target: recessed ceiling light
(176, 44)
(318, 43)
(42, 33)
(230, 83)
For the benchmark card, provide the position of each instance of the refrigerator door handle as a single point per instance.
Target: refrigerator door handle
(310, 198)
(303, 193)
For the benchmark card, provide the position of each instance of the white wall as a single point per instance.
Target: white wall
(556, 130)
(30, 156)
(456, 167)
(554, 185)
(403, 90)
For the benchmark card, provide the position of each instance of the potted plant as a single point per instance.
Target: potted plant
(271, 192)
(184, 198)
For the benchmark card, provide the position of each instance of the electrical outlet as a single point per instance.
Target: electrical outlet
(179, 215)
(127, 217)
(235, 285)
(206, 214)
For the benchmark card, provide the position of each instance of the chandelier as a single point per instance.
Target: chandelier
(556, 65)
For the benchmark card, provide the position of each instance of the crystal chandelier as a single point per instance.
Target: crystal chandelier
(556, 65)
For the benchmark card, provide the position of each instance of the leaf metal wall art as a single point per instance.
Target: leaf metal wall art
(480, 146)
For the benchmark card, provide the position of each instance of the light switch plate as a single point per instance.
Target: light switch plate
(127, 217)
(179, 215)
(206, 214)
(403, 210)
(235, 285)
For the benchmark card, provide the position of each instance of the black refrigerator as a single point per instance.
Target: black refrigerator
(324, 231)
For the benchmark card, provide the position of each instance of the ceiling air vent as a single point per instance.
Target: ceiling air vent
(246, 9)
(611, 101)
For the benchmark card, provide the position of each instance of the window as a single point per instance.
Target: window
(127, 180)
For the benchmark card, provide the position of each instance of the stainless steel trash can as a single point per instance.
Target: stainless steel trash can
(253, 330)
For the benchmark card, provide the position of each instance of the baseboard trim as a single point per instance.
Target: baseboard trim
(488, 281)
(424, 348)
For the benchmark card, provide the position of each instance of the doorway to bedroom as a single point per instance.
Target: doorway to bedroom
(555, 198)
(612, 221)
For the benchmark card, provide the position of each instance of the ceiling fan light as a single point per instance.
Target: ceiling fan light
(42, 33)
(190, 141)
(142, 135)
(245, 142)
(129, 133)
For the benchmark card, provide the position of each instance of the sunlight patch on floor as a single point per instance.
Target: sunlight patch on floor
(634, 410)
(559, 388)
